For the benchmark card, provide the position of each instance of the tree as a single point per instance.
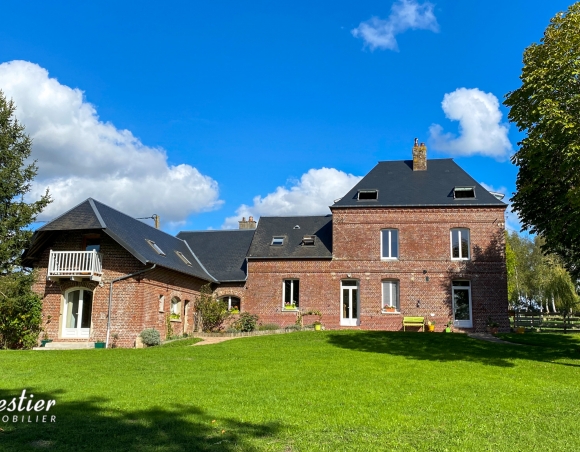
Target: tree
(211, 313)
(16, 175)
(547, 108)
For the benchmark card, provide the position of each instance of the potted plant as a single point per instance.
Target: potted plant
(45, 340)
(100, 344)
(492, 327)
(115, 337)
(175, 316)
(290, 306)
(317, 325)
(449, 326)
(431, 325)
(235, 310)
(390, 309)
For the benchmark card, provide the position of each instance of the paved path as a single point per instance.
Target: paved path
(215, 340)
(489, 338)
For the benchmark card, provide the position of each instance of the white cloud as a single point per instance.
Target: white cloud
(79, 156)
(311, 195)
(480, 128)
(405, 14)
(512, 220)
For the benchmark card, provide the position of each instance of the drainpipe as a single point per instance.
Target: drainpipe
(111, 297)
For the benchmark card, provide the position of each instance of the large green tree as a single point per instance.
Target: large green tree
(16, 175)
(547, 108)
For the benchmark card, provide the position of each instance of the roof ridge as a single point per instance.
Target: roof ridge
(97, 213)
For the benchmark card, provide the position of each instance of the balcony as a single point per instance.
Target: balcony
(75, 265)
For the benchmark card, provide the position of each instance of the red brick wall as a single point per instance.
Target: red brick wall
(135, 300)
(424, 244)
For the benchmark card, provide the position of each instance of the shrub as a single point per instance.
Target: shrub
(20, 311)
(268, 327)
(246, 323)
(150, 337)
(212, 312)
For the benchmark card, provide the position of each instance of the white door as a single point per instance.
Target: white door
(462, 304)
(349, 302)
(78, 306)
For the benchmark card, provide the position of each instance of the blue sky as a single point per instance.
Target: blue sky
(206, 111)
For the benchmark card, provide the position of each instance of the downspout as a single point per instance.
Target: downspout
(111, 297)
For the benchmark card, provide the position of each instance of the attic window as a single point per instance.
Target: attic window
(155, 247)
(308, 240)
(277, 241)
(183, 258)
(297, 226)
(464, 192)
(366, 195)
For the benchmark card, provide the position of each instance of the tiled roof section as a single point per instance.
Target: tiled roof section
(132, 235)
(223, 253)
(399, 185)
(293, 247)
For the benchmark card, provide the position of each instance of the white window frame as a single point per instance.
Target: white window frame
(229, 300)
(291, 293)
(175, 308)
(462, 323)
(397, 306)
(390, 257)
(277, 239)
(460, 231)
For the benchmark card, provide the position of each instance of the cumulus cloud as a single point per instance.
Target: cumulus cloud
(405, 14)
(480, 128)
(311, 195)
(80, 156)
(512, 220)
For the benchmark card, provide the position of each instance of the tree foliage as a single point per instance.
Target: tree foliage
(211, 313)
(16, 175)
(547, 108)
(20, 311)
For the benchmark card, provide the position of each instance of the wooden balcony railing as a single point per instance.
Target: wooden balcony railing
(75, 265)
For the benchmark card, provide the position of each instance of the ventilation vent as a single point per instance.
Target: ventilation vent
(297, 226)
(499, 196)
(464, 192)
(308, 240)
(368, 195)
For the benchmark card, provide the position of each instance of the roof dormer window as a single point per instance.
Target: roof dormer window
(464, 192)
(155, 247)
(368, 195)
(308, 240)
(277, 241)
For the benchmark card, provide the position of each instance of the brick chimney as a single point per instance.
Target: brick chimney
(250, 224)
(419, 156)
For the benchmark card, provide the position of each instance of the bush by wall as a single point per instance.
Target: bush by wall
(150, 337)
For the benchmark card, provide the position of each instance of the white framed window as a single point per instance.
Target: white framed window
(175, 308)
(154, 245)
(277, 241)
(234, 303)
(183, 258)
(291, 293)
(460, 244)
(391, 296)
(161, 303)
(389, 244)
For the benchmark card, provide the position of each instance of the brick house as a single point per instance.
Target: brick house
(412, 238)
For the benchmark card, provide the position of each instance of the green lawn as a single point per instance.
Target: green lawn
(305, 391)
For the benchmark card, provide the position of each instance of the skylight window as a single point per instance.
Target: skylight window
(183, 258)
(277, 241)
(464, 192)
(308, 240)
(368, 195)
(155, 247)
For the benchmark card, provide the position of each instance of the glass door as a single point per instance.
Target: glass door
(78, 307)
(349, 303)
(462, 304)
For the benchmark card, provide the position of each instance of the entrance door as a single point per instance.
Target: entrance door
(462, 304)
(349, 303)
(77, 314)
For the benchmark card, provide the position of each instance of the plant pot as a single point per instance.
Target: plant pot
(431, 328)
(493, 329)
(100, 344)
(44, 342)
(448, 329)
(289, 308)
(318, 327)
(520, 330)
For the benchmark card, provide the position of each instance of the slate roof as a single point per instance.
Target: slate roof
(223, 253)
(269, 227)
(398, 185)
(128, 232)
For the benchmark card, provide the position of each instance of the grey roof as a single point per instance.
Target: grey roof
(128, 232)
(269, 227)
(399, 185)
(223, 253)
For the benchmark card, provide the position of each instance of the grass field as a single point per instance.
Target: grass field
(305, 391)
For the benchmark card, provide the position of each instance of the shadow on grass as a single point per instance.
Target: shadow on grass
(447, 347)
(89, 425)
